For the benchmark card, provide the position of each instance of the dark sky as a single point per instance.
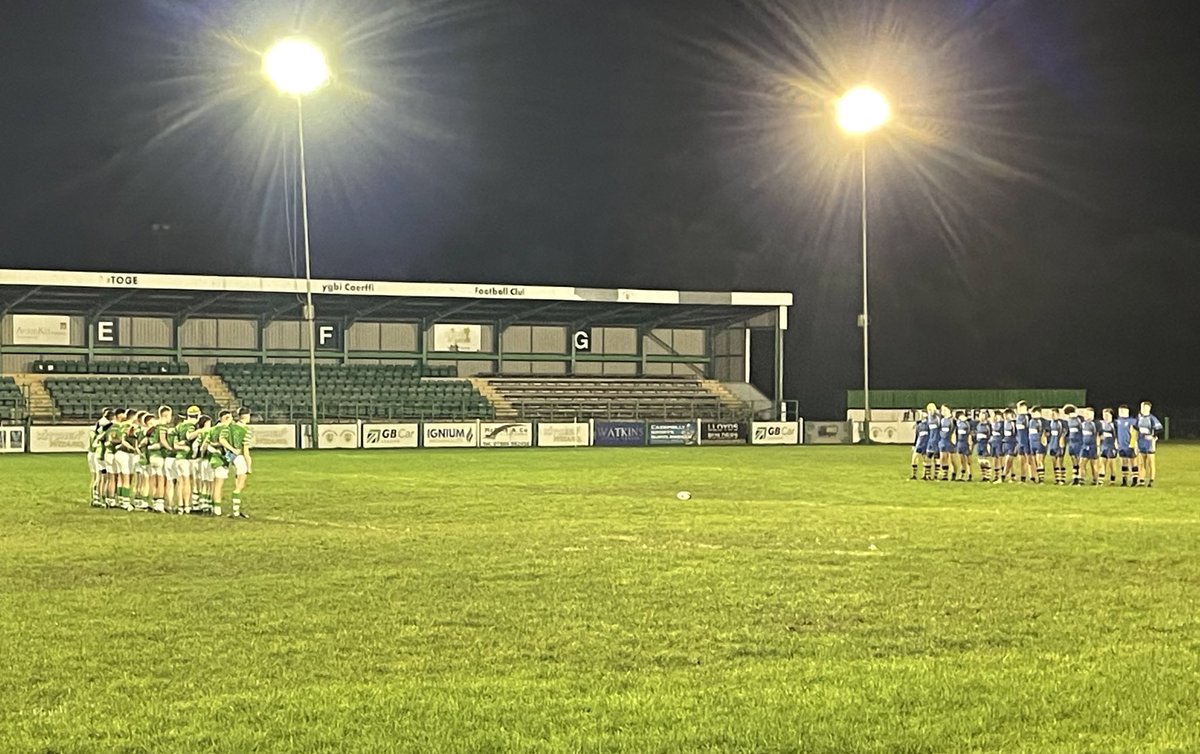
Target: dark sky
(1033, 206)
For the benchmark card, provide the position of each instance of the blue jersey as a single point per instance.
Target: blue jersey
(1087, 429)
(983, 430)
(1148, 426)
(944, 430)
(932, 422)
(1009, 428)
(1074, 430)
(1055, 427)
(1022, 423)
(1125, 425)
(1108, 433)
(922, 430)
(1037, 430)
(962, 430)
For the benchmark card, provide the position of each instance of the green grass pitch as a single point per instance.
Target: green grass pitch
(804, 600)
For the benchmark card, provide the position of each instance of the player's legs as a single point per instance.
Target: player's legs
(1149, 466)
(183, 484)
(241, 468)
(1076, 462)
(220, 474)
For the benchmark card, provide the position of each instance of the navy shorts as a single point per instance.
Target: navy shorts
(983, 449)
(1108, 451)
(1087, 451)
(1022, 446)
(995, 447)
(1073, 449)
(944, 445)
(963, 449)
(1010, 448)
(921, 446)
(1145, 448)
(1126, 453)
(1037, 449)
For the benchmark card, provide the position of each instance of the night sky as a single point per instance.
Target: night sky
(1033, 207)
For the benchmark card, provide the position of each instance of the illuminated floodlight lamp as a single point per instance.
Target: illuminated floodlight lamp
(862, 110)
(295, 66)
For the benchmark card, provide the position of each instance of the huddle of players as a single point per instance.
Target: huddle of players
(145, 460)
(1013, 443)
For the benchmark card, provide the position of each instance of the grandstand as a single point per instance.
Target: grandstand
(82, 398)
(566, 399)
(74, 342)
(12, 401)
(280, 392)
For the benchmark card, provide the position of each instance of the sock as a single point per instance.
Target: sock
(1135, 473)
(216, 509)
(1076, 478)
(237, 502)
(914, 471)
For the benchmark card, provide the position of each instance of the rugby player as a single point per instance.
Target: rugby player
(1126, 443)
(95, 457)
(1106, 428)
(962, 447)
(1074, 440)
(1087, 448)
(1037, 445)
(983, 432)
(920, 444)
(1148, 426)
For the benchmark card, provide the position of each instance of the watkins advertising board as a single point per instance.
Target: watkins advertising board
(775, 433)
(41, 330)
(618, 433)
(273, 435)
(59, 439)
(391, 435)
(563, 435)
(450, 434)
(505, 435)
(672, 433)
(722, 433)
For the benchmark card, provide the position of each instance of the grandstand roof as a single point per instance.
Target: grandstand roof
(152, 294)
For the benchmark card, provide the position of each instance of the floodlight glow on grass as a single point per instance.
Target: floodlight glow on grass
(862, 110)
(295, 66)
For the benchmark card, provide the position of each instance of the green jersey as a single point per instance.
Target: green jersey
(215, 434)
(162, 438)
(183, 446)
(240, 436)
(113, 435)
(137, 438)
(96, 438)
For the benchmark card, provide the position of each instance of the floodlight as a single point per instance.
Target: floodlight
(295, 66)
(862, 110)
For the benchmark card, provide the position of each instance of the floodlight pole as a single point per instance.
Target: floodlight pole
(309, 312)
(866, 318)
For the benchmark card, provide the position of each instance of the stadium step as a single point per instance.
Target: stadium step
(41, 405)
(504, 408)
(219, 389)
(734, 405)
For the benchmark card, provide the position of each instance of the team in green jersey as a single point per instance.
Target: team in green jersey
(141, 460)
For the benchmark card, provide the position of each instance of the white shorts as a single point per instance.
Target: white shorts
(110, 463)
(221, 472)
(239, 464)
(93, 462)
(197, 469)
(183, 468)
(123, 462)
(169, 468)
(156, 466)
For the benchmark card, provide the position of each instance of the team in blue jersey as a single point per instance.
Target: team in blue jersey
(1012, 445)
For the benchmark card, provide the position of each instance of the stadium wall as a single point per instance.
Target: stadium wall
(201, 342)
